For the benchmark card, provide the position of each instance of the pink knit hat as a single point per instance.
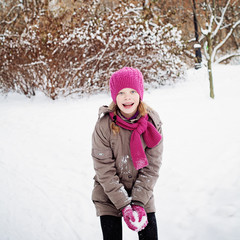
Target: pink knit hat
(126, 77)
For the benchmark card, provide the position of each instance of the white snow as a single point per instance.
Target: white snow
(46, 168)
(197, 45)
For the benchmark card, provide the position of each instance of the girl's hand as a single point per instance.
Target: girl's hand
(128, 217)
(142, 217)
(135, 217)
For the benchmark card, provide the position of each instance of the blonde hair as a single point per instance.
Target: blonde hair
(142, 109)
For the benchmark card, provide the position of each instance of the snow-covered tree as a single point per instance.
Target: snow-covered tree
(16, 14)
(216, 21)
(60, 60)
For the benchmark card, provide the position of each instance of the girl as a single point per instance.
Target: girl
(127, 153)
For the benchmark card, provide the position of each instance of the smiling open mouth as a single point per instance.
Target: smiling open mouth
(128, 104)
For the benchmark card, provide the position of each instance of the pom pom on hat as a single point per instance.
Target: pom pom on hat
(126, 77)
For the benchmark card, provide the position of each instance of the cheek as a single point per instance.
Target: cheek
(118, 101)
(137, 98)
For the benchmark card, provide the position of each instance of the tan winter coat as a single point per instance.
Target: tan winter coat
(117, 182)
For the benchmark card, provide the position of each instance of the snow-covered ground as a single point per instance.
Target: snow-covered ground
(46, 168)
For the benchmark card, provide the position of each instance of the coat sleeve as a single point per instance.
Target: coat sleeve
(104, 165)
(147, 176)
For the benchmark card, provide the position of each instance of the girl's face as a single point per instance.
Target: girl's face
(128, 101)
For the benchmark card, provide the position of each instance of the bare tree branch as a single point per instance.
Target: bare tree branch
(11, 10)
(228, 56)
(224, 40)
(221, 19)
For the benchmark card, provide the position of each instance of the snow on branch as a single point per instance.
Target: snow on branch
(219, 24)
(228, 56)
(101, 56)
(9, 13)
(224, 40)
(60, 62)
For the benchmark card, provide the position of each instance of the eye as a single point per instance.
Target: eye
(120, 93)
(133, 91)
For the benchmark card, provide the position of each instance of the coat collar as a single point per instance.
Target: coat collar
(103, 110)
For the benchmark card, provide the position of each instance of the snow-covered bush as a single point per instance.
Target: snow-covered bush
(81, 59)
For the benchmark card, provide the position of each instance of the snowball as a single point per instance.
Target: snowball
(139, 225)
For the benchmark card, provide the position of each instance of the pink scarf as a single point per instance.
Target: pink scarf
(150, 135)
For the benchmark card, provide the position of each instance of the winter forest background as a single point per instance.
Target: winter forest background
(72, 47)
(56, 58)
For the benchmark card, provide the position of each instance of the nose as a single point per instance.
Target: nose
(127, 96)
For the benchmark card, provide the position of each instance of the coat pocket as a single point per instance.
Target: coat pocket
(98, 193)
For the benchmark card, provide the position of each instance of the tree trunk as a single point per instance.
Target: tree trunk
(209, 63)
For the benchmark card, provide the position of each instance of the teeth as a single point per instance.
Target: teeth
(129, 104)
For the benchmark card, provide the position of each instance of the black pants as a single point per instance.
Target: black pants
(112, 228)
